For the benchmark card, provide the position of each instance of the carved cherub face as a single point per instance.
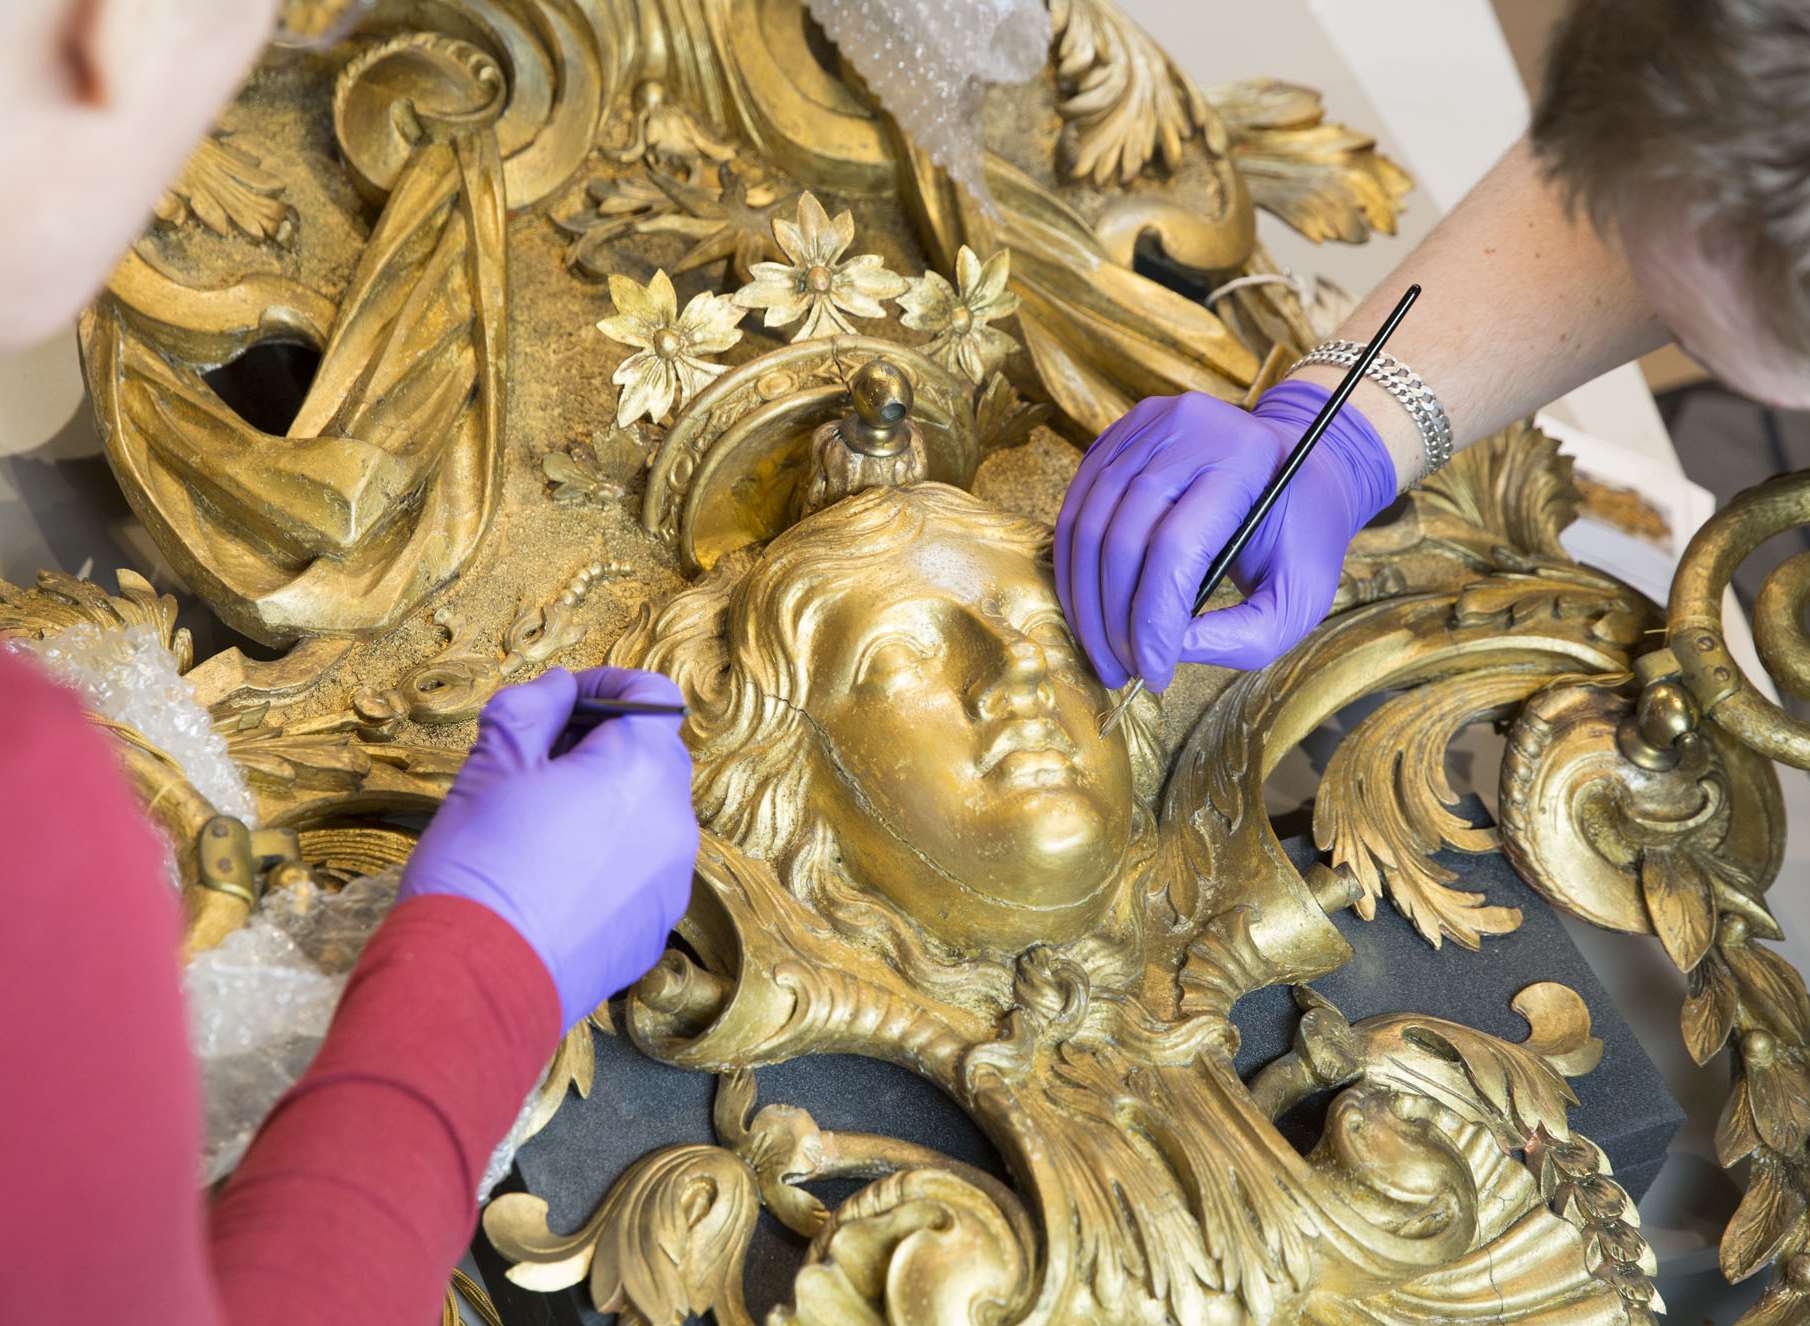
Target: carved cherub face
(888, 702)
(959, 754)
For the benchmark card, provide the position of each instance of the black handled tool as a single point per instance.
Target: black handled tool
(1221, 564)
(588, 713)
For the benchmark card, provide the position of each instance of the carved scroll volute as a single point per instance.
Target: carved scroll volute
(1659, 846)
(668, 1244)
(919, 1248)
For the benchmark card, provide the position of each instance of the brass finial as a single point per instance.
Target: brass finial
(875, 444)
(879, 426)
(1662, 725)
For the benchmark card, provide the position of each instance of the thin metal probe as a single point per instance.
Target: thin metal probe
(588, 713)
(1222, 564)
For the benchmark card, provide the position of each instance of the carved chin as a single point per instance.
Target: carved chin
(1058, 847)
(1046, 875)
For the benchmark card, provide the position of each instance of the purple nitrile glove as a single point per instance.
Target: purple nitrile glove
(587, 852)
(1160, 493)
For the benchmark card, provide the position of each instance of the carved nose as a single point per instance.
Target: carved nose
(1022, 684)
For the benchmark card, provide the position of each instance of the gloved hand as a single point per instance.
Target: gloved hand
(1160, 493)
(587, 852)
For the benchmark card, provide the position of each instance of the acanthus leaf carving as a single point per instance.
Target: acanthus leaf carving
(1127, 101)
(1002, 419)
(1327, 181)
(225, 187)
(1383, 807)
(59, 601)
(1518, 1091)
(322, 756)
(669, 1242)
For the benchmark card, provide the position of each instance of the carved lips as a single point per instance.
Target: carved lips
(1032, 751)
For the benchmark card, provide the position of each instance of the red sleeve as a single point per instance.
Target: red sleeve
(99, 1112)
(360, 1193)
(358, 1196)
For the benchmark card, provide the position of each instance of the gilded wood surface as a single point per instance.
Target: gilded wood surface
(591, 284)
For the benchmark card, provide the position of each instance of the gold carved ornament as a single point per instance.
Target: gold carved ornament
(523, 238)
(1659, 812)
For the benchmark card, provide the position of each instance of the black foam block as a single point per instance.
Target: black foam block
(1624, 1105)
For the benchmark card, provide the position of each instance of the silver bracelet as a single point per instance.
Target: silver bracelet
(1401, 382)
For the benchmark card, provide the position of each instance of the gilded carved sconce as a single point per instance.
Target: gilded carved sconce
(642, 334)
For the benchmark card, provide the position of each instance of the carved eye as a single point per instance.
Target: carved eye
(895, 661)
(1052, 636)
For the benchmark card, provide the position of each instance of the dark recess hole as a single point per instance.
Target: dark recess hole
(822, 49)
(1304, 1122)
(267, 384)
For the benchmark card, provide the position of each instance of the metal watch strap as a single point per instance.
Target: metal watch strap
(1401, 382)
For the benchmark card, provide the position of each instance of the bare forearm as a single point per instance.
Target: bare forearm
(1519, 305)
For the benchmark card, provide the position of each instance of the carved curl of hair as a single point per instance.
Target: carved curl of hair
(738, 646)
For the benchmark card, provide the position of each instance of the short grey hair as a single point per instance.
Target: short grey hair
(1697, 105)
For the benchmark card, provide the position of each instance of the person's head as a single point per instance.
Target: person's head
(100, 103)
(1682, 127)
(888, 706)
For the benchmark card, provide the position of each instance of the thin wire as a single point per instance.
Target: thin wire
(1289, 279)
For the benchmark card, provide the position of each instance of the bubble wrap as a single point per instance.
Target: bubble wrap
(128, 676)
(260, 1004)
(502, 1160)
(929, 63)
